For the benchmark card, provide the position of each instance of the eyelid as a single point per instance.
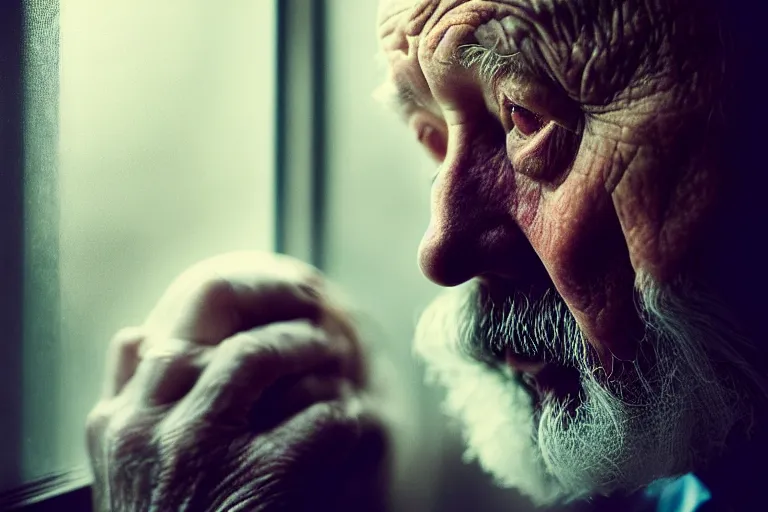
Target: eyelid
(505, 106)
(541, 98)
(570, 123)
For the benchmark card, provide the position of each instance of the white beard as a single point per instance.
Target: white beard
(679, 419)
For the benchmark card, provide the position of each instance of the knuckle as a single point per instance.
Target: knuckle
(256, 349)
(129, 429)
(116, 425)
(114, 420)
(169, 354)
(215, 290)
(201, 286)
(335, 418)
(292, 332)
(266, 352)
(97, 419)
(351, 417)
(277, 347)
(173, 352)
(235, 344)
(127, 340)
(122, 432)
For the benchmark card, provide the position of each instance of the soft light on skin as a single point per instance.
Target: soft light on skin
(615, 218)
(607, 217)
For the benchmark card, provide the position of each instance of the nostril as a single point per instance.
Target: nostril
(467, 237)
(442, 276)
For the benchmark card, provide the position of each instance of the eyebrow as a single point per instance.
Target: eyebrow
(399, 95)
(490, 64)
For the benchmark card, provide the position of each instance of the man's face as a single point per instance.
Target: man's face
(576, 147)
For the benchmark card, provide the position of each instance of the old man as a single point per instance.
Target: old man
(596, 212)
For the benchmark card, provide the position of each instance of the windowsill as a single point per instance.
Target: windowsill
(34, 495)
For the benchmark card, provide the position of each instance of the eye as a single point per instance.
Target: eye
(526, 122)
(433, 139)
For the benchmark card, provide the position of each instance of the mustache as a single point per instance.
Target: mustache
(532, 322)
(621, 432)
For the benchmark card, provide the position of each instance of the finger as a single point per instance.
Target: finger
(246, 364)
(297, 456)
(349, 443)
(366, 471)
(289, 396)
(122, 360)
(233, 292)
(324, 429)
(168, 369)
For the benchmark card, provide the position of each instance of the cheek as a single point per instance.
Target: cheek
(577, 235)
(664, 214)
(574, 230)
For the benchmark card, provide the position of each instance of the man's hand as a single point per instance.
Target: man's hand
(243, 390)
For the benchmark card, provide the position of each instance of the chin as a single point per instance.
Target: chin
(605, 435)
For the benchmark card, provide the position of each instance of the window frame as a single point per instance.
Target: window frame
(299, 204)
(11, 232)
(300, 153)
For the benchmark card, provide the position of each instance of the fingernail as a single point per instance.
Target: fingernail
(309, 291)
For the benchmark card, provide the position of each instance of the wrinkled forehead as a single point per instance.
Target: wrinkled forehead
(428, 20)
(391, 22)
(390, 8)
(400, 23)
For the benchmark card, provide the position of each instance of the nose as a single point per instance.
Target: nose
(472, 231)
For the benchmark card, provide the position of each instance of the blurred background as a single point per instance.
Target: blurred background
(156, 134)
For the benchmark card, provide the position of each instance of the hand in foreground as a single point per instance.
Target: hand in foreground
(243, 390)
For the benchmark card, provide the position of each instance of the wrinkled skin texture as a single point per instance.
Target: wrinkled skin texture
(636, 191)
(243, 390)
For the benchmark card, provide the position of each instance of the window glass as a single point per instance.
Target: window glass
(166, 156)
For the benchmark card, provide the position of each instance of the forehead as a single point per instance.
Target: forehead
(389, 8)
(410, 31)
(414, 15)
(425, 22)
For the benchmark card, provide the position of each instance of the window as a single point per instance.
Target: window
(153, 135)
(148, 144)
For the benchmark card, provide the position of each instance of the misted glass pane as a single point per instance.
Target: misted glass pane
(166, 157)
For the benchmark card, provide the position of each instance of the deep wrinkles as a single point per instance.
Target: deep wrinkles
(571, 43)
(596, 51)
(425, 19)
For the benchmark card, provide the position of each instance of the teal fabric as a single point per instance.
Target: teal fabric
(684, 494)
